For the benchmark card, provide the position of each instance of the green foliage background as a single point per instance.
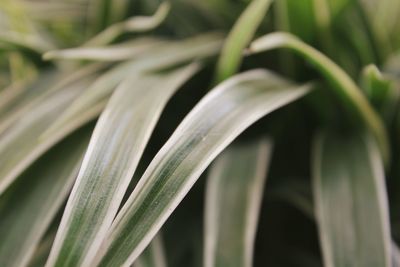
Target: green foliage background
(322, 176)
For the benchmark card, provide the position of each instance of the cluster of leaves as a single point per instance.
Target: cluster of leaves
(111, 111)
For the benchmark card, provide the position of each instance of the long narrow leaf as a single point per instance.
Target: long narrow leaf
(24, 133)
(233, 199)
(109, 53)
(344, 86)
(135, 24)
(29, 205)
(220, 117)
(350, 201)
(116, 146)
(28, 97)
(24, 94)
(170, 55)
(240, 37)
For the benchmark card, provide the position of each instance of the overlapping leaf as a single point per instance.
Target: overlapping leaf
(169, 55)
(20, 144)
(344, 86)
(29, 205)
(117, 144)
(118, 52)
(217, 119)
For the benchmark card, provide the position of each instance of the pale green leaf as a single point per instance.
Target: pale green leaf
(118, 52)
(169, 55)
(233, 199)
(20, 144)
(216, 120)
(344, 86)
(25, 97)
(350, 201)
(134, 24)
(116, 146)
(239, 37)
(29, 205)
(18, 96)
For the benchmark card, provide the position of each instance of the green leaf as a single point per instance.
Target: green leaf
(30, 43)
(338, 6)
(134, 24)
(216, 120)
(239, 37)
(18, 96)
(167, 56)
(381, 91)
(29, 205)
(118, 52)
(350, 201)
(116, 146)
(153, 255)
(343, 85)
(21, 99)
(296, 17)
(233, 199)
(19, 143)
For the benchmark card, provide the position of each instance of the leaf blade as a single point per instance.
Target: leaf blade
(349, 190)
(233, 198)
(25, 131)
(28, 206)
(116, 146)
(239, 37)
(344, 86)
(195, 143)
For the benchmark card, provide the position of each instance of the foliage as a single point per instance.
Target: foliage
(199, 133)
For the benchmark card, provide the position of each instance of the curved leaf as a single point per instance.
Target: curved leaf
(29, 205)
(134, 24)
(25, 131)
(116, 146)
(381, 91)
(27, 97)
(167, 56)
(216, 120)
(344, 86)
